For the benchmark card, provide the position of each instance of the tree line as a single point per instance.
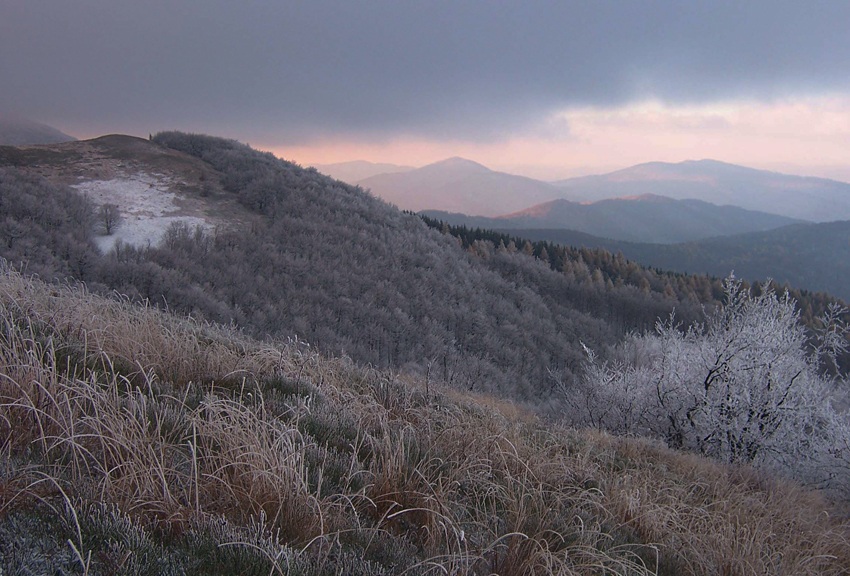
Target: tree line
(598, 268)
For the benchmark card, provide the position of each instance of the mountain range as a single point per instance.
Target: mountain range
(805, 198)
(463, 186)
(647, 218)
(696, 216)
(221, 231)
(217, 230)
(365, 399)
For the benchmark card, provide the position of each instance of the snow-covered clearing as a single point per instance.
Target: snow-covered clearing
(147, 206)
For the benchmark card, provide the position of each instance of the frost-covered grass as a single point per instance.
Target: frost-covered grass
(135, 442)
(147, 206)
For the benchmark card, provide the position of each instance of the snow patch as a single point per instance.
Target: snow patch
(146, 203)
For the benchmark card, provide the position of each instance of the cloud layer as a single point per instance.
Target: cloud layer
(287, 73)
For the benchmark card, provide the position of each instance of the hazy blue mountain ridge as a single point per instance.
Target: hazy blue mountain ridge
(643, 210)
(648, 218)
(800, 197)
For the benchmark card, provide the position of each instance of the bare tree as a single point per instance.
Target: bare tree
(110, 217)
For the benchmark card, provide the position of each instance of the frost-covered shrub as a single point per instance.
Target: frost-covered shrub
(742, 387)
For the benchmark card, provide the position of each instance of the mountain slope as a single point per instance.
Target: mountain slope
(151, 187)
(309, 257)
(815, 199)
(138, 442)
(459, 185)
(356, 170)
(646, 218)
(814, 257)
(19, 132)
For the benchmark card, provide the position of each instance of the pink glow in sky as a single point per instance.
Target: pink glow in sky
(806, 136)
(546, 89)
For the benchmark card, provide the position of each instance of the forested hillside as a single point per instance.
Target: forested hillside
(611, 268)
(333, 266)
(815, 257)
(329, 264)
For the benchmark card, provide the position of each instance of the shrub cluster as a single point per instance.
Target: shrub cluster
(745, 386)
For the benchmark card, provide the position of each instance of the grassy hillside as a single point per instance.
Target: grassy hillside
(136, 442)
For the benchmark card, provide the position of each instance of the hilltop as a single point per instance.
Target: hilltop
(151, 187)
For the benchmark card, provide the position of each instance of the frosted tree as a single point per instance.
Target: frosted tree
(742, 387)
(110, 217)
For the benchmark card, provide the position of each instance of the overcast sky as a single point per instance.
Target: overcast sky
(544, 88)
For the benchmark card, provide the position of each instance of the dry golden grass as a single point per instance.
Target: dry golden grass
(194, 434)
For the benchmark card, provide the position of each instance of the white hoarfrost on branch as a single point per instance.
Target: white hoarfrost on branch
(743, 387)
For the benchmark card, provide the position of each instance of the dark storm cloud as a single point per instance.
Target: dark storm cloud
(285, 71)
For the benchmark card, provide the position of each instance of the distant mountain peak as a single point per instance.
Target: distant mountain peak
(708, 162)
(354, 171)
(649, 197)
(457, 163)
(460, 185)
(722, 184)
(15, 131)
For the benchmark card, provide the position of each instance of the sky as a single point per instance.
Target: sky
(546, 89)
